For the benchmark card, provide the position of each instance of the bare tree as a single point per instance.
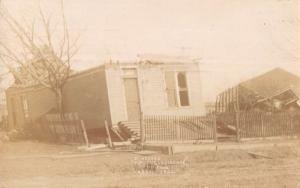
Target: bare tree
(40, 60)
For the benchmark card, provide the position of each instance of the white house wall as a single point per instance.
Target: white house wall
(152, 91)
(155, 98)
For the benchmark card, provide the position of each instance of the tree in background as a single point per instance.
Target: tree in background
(44, 57)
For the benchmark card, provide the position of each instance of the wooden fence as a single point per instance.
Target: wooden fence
(227, 118)
(178, 128)
(257, 124)
(241, 124)
(66, 128)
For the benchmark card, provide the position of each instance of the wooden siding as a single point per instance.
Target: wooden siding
(40, 102)
(154, 89)
(88, 97)
(100, 93)
(86, 94)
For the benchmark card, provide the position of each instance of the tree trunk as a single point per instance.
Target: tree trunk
(59, 100)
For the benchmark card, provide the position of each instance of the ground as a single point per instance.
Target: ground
(30, 164)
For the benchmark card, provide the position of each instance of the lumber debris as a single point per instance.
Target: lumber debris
(108, 134)
(92, 147)
(126, 143)
(145, 152)
(258, 155)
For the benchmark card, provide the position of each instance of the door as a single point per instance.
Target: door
(132, 99)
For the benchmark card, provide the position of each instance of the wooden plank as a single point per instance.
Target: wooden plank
(177, 119)
(84, 133)
(142, 131)
(74, 120)
(146, 128)
(215, 129)
(257, 155)
(238, 126)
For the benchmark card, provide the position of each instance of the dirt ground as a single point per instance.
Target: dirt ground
(29, 164)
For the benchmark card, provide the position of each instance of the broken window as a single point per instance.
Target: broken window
(183, 89)
(176, 88)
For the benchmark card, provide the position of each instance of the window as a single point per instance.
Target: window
(176, 88)
(25, 107)
(183, 90)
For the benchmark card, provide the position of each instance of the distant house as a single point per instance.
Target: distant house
(3, 111)
(4, 83)
(276, 90)
(118, 92)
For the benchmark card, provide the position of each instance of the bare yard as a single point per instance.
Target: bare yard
(33, 164)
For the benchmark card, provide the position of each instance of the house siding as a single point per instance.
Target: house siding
(87, 95)
(153, 93)
(99, 93)
(40, 101)
(154, 89)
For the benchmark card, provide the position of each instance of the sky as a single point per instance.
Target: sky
(233, 40)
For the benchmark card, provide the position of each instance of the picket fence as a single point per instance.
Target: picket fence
(66, 128)
(257, 124)
(243, 125)
(178, 128)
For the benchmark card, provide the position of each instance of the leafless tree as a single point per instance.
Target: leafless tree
(44, 58)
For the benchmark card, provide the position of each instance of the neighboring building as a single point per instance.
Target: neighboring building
(276, 90)
(4, 83)
(118, 92)
(3, 111)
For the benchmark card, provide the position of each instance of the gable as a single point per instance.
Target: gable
(272, 82)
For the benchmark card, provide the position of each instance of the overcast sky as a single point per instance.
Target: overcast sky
(234, 39)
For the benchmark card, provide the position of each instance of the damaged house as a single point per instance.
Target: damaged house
(116, 92)
(266, 105)
(273, 91)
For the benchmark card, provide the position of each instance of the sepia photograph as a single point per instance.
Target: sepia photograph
(149, 94)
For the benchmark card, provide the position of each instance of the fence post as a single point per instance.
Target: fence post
(262, 126)
(53, 126)
(237, 126)
(142, 128)
(292, 131)
(84, 133)
(215, 129)
(177, 129)
(108, 134)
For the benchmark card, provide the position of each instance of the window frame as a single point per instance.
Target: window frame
(178, 89)
(182, 89)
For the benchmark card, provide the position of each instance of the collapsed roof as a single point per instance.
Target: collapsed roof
(273, 83)
(265, 91)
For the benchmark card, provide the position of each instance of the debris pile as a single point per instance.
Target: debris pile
(11, 135)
